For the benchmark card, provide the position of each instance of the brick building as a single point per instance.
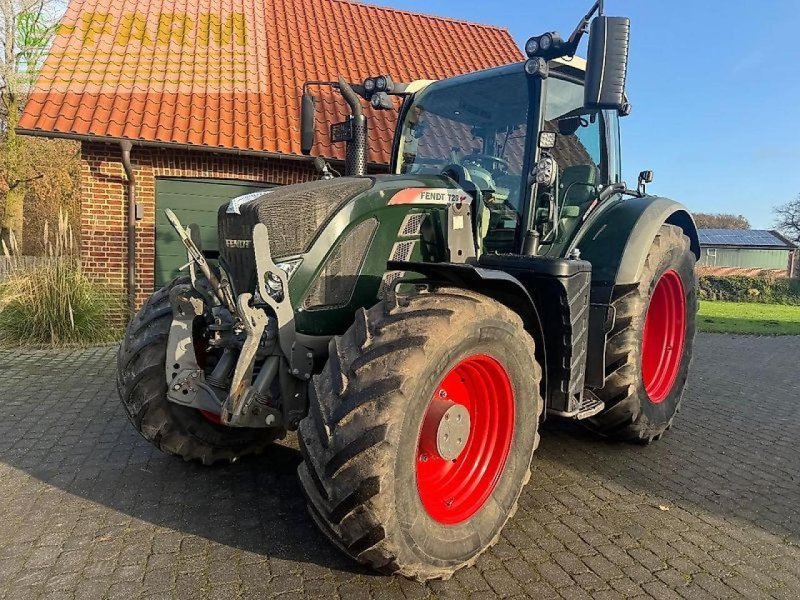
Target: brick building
(209, 94)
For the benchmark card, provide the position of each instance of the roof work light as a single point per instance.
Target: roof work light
(547, 46)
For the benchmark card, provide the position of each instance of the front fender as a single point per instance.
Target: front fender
(618, 240)
(498, 285)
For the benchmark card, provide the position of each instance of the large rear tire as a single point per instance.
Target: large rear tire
(142, 386)
(649, 351)
(377, 483)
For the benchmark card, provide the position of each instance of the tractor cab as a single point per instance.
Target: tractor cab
(535, 143)
(481, 122)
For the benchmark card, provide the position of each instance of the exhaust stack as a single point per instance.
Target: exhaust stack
(353, 131)
(356, 157)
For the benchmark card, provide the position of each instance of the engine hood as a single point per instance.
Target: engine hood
(301, 216)
(293, 215)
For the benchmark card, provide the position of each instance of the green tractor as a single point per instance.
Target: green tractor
(416, 328)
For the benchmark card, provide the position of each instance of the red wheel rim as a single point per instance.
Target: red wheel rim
(664, 337)
(452, 491)
(211, 417)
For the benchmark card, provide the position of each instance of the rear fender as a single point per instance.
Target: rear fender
(618, 240)
(498, 285)
(617, 243)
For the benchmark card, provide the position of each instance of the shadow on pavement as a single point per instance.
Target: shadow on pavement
(728, 455)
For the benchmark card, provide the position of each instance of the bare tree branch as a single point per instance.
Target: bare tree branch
(788, 219)
(18, 182)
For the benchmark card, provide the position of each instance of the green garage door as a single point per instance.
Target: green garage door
(193, 201)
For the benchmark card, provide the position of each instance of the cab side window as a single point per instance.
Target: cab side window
(611, 119)
(580, 152)
(579, 157)
(579, 149)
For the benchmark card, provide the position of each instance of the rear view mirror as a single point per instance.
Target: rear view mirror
(569, 125)
(607, 63)
(308, 119)
(645, 177)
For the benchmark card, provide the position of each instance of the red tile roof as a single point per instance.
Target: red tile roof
(228, 73)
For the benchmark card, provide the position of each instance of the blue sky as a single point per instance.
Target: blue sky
(715, 88)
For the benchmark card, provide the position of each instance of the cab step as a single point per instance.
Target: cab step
(590, 406)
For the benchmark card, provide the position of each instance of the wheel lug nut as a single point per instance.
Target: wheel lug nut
(442, 394)
(423, 458)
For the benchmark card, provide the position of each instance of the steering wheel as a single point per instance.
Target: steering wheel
(479, 158)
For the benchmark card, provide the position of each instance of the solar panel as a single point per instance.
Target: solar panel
(739, 237)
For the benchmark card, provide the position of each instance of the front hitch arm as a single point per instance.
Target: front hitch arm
(245, 398)
(247, 402)
(222, 290)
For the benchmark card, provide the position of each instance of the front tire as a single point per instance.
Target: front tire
(649, 351)
(376, 481)
(142, 386)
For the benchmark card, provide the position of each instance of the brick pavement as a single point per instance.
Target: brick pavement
(90, 510)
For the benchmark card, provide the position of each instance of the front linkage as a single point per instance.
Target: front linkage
(250, 328)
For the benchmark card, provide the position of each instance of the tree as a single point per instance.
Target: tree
(721, 221)
(788, 219)
(26, 29)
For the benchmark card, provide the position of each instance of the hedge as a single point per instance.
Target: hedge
(740, 288)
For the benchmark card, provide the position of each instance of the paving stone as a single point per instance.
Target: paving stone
(88, 509)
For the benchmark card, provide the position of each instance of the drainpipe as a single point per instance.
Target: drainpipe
(126, 147)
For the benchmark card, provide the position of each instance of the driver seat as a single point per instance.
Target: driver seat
(577, 189)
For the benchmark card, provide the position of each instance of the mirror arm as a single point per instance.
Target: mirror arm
(308, 84)
(349, 92)
(582, 28)
(608, 191)
(618, 188)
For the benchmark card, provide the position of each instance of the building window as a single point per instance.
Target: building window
(711, 254)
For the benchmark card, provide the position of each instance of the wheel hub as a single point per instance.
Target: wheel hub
(446, 430)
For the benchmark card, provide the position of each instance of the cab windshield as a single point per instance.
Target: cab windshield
(478, 122)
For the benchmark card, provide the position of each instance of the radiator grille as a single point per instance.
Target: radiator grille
(293, 216)
(412, 225)
(239, 261)
(402, 251)
(334, 286)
